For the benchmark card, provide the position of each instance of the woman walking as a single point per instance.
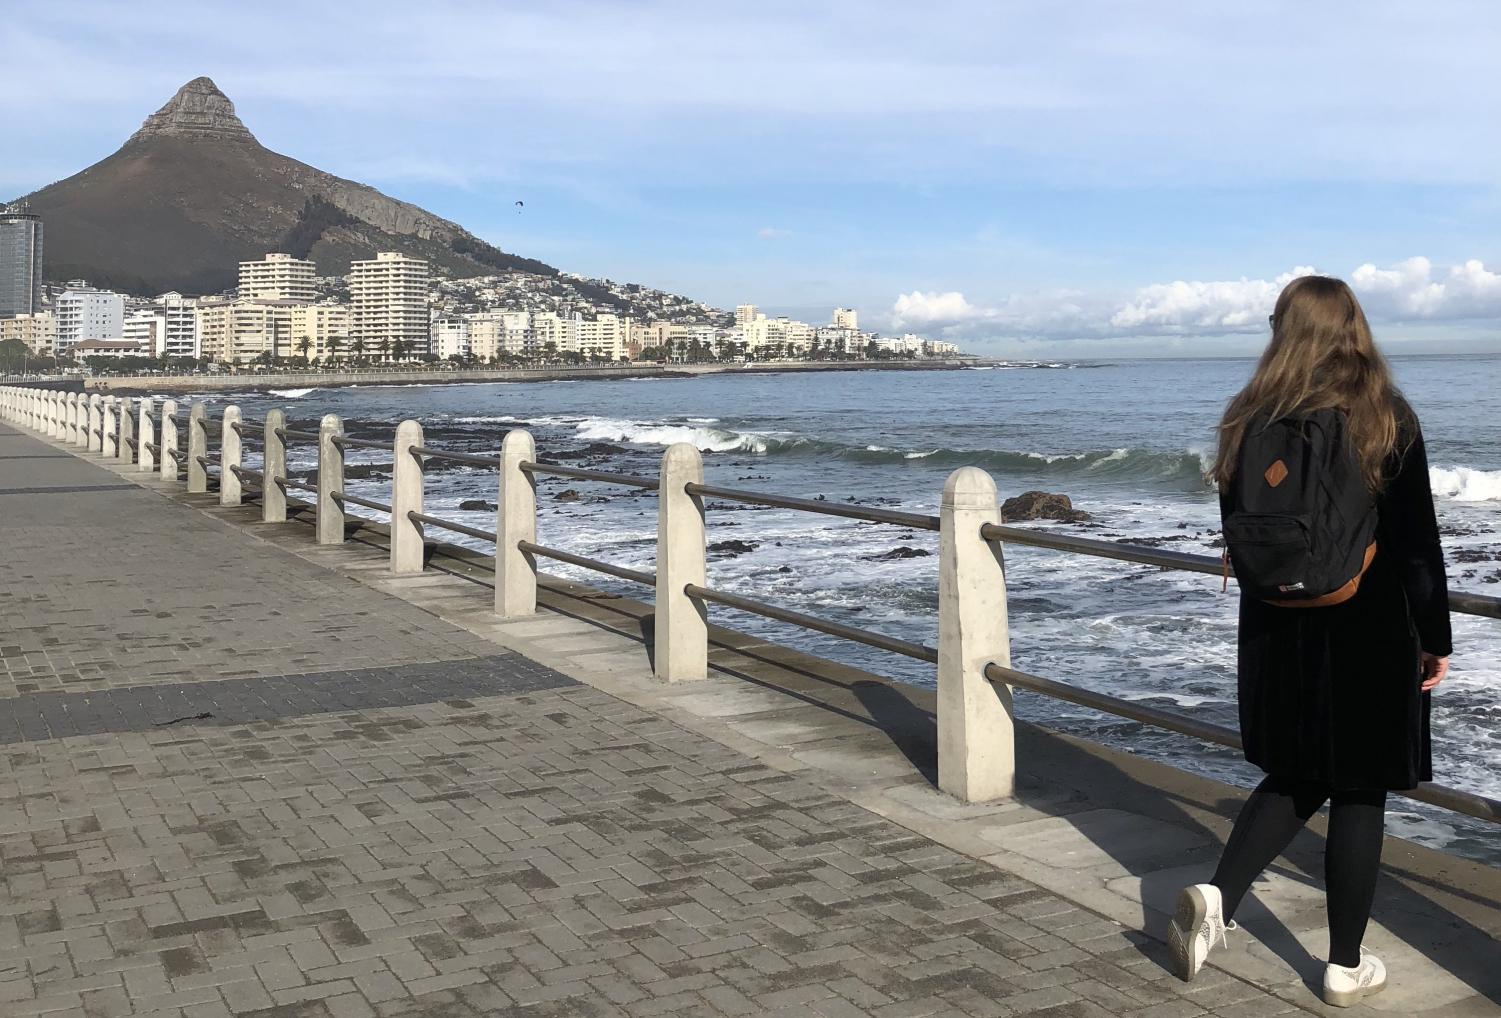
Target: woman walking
(1334, 689)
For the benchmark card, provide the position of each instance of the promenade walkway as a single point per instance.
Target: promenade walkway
(241, 774)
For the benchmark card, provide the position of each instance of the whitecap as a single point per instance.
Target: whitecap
(1465, 484)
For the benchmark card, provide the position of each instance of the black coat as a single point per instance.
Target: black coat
(1332, 695)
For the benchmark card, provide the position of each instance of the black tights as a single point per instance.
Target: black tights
(1275, 812)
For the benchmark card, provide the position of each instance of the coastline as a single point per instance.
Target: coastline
(140, 385)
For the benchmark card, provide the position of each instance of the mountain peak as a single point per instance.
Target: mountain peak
(198, 110)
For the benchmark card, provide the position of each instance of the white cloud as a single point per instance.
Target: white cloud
(772, 233)
(1412, 290)
(919, 310)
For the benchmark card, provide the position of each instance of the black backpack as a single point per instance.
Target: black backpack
(1299, 520)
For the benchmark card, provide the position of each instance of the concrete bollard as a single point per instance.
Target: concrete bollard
(125, 448)
(109, 429)
(274, 469)
(197, 448)
(80, 420)
(330, 481)
(406, 497)
(52, 414)
(231, 491)
(146, 435)
(682, 621)
(516, 521)
(96, 423)
(169, 464)
(976, 733)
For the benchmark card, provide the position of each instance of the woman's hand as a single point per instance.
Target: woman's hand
(1434, 670)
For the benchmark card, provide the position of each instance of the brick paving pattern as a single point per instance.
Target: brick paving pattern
(547, 852)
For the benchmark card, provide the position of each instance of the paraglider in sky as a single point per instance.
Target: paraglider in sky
(519, 207)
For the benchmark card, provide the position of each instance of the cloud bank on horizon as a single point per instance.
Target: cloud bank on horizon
(1014, 171)
(1410, 291)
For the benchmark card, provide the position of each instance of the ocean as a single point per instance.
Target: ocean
(1127, 441)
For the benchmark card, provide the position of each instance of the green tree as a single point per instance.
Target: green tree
(304, 345)
(358, 348)
(385, 349)
(399, 349)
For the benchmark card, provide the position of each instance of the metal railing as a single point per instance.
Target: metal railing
(974, 642)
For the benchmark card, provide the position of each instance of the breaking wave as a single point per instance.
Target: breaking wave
(291, 393)
(1465, 484)
(1185, 466)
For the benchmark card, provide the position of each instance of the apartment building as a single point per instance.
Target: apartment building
(147, 330)
(846, 318)
(238, 331)
(601, 339)
(388, 299)
(84, 313)
(37, 330)
(746, 313)
(279, 277)
(450, 338)
(180, 324)
(326, 328)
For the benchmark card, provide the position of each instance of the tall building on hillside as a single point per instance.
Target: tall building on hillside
(180, 321)
(388, 302)
(20, 262)
(148, 330)
(279, 277)
(745, 313)
(84, 313)
(845, 318)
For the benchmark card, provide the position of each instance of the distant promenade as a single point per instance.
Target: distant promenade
(265, 757)
(244, 381)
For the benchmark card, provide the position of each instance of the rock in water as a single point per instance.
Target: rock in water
(899, 553)
(1042, 505)
(476, 505)
(569, 495)
(732, 548)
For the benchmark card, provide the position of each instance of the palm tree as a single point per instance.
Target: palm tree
(334, 342)
(399, 349)
(358, 347)
(385, 349)
(305, 344)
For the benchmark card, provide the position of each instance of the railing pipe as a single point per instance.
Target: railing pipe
(976, 731)
(406, 498)
(515, 523)
(231, 451)
(330, 480)
(682, 620)
(916, 521)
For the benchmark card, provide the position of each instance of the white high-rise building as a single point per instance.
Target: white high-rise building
(180, 317)
(845, 318)
(278, 277)
(746, 313)
(450, 338)
(239, 331)
(146, 329)
(602, 339)
(388, 299)
(84, 313)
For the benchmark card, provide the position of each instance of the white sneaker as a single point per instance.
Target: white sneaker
(1198, 922)
(1346, 986)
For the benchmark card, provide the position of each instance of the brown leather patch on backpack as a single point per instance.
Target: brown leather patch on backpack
(1276, 473)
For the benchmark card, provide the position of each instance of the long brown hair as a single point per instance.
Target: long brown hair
(1321, 356)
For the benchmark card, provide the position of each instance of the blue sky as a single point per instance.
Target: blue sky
(1090, 179)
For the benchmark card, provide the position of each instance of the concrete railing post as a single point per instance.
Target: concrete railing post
(146, 436)
(274, 468)
(169, 464)
(50, 406)
(197, 448)
(976, 734)
(80, 432)
(123, 448)
(96, 423)
(109, 438)
(330, 480)
(516, 521)
(406, 497)
(682, 621)
(231, 492)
